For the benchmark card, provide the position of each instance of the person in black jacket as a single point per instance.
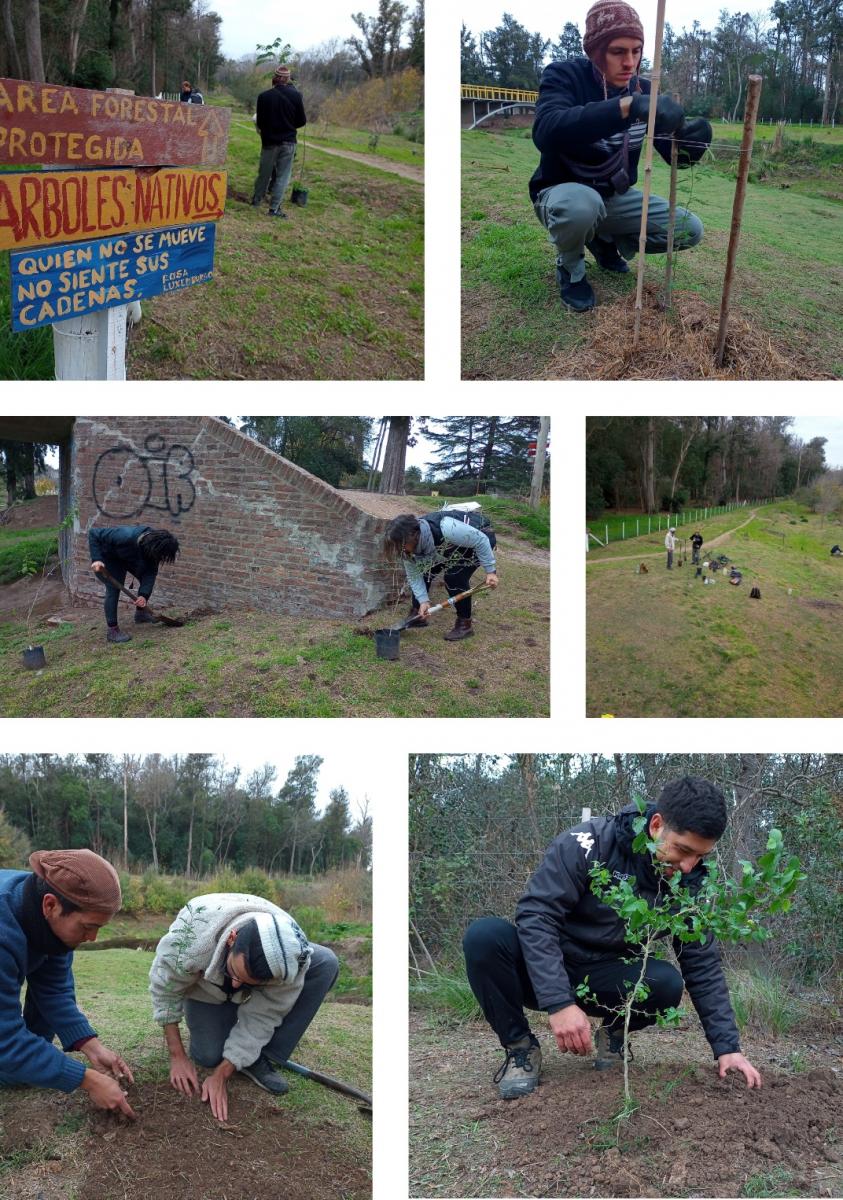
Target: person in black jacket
(590, 124)
(280, 112)
(135, 548)
(563, 933)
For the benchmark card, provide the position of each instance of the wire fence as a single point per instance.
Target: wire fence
(633, 525)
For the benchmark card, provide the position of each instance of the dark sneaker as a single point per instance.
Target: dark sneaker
(117, 635)
(579, 296)
(607, 257)
(277, 212)
(265, 1076)
(609, 1048)
(142, 617)
(520, 1072)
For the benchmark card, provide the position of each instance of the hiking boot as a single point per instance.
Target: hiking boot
(117, 635)
(265, 1076)
(608, 257)
(609, 1048)
(142, 617)
(521, 1069)
(277, 212)
(417, 621)
(579, 296)
(462, 629)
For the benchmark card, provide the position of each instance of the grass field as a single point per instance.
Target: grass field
(334, 292)
(789, 265)
(24, 551)
(622, 529)
(662, 644)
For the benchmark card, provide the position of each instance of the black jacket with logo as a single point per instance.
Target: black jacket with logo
(559, 919)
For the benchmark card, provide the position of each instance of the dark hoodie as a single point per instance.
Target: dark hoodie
(558, 918)
(576, 123)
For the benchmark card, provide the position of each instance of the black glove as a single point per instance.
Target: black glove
(693, 138)
(669, 114)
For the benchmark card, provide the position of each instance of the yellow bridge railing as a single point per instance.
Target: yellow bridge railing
(471, 91)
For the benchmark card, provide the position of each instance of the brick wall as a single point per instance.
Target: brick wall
(255, 530)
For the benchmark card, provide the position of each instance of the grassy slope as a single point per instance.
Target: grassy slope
(789, 263)
(635, 547)
(21, 548)
(388, 146)
(663, 645)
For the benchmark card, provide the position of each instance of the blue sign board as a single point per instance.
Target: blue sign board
(53, 283)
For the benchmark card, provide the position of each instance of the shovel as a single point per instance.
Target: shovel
(156, 616)
(328, 1081)
(387, 641)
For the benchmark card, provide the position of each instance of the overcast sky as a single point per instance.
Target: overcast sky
(245, 23)
(827, 427)
(353, 774)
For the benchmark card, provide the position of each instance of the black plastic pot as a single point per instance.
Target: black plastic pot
(33, 658)
(299, 196)
(387, 642)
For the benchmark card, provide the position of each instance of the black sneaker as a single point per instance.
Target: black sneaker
(579, 296)
(607, 256)
(277, 212)
(116, 635)
(521, 1069)
(265, 1076)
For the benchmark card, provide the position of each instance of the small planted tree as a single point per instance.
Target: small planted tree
(729, 910)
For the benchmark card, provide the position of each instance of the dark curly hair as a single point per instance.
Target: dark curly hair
(159, 545)
(693, 805)
(397, 533)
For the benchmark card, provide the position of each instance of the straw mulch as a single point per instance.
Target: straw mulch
(676, 345)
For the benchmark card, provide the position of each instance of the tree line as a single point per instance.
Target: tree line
(480, 824)
(189, 814)
(652, 463)
(795, 45)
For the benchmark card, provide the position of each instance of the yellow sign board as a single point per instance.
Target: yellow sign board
(41, 208)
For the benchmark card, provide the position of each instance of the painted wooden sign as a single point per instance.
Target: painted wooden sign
(47, 207)
(45, 124)
(67, 281)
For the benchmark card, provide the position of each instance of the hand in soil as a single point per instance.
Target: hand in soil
(737, 1062)
(105, 1060)
(214, 1091)
(572, 1030)
(107, 1093)
(183, 1076)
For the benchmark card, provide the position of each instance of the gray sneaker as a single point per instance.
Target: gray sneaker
(520, 1072)
(264, 1075)
(609, 1048)
(116, 635)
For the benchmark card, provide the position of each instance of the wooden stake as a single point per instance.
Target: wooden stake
(655, 77)
(671, 216)
(749, 119)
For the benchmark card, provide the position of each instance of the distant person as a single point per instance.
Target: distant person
(188, 95)
(129, 548)
(44, 915)
(280, 112)
(247, 982)
(670, 546)
(589, 127)
(454, 543)
(696, 546)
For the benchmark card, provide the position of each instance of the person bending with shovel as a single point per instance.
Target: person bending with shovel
(590, 124)
(139, 549)
(453, 543)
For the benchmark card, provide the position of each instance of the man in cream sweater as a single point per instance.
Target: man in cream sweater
(247, 982)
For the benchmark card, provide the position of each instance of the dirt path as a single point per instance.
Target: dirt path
(380, 164)
(716, 541)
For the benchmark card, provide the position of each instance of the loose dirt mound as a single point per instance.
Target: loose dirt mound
(676, 345)
(46, 596)
(42, 513)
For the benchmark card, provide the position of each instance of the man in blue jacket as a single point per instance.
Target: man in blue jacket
(44, 915)
(129, 548)
(590, 123)
(563, 933)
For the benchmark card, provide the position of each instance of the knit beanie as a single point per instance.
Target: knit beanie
(81, 877)
(282, 950)
(605, 20)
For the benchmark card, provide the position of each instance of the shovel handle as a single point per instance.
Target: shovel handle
(106, 574)
(452, 600)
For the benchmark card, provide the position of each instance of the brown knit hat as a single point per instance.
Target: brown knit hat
(80, 876)
(605, 20)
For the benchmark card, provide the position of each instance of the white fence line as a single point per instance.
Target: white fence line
(672, 520)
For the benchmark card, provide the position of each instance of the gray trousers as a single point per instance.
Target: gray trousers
(210, 1024)
(670, 560)
(278, 159)
(574, 214)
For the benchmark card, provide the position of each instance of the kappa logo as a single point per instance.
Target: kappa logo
(620, 875)
(585, 840)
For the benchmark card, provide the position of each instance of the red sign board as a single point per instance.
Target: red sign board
(42, 123)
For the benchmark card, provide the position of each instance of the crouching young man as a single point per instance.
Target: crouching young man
(563, 933)
(247, 982)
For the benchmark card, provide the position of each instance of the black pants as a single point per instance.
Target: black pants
(119, 570)
(498, 977)
(458, 565)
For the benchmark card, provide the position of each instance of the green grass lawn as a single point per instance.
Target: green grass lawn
(788, 272)
(24, 551)
(633, 546)
(662, 644)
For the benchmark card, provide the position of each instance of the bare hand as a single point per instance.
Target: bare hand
(97, 566)
(737, 1062)
(214, 1091)
(492, 579)
(183, 1076)
(107, 1093)
(105, 1060)
(140, 602)
(572, 1030)
(424, 609)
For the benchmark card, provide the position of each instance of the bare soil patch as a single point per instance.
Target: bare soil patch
(42, 513)
(16, 598)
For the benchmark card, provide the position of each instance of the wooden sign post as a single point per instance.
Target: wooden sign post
(124, 219)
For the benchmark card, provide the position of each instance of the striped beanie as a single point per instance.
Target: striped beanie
(605, 20)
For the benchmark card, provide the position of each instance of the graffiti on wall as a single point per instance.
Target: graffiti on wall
(126, 482)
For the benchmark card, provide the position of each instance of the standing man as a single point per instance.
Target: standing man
(670, 546)
(280, 112)
(696, 546)
(44, 915)
(122, 548)
(589, 127)
(247, 982)
(564, 935)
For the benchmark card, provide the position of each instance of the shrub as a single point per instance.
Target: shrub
(256, 883)
(14, 844)
(163, 895)
(764, 1002)
(133, 902)
(448, 995)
